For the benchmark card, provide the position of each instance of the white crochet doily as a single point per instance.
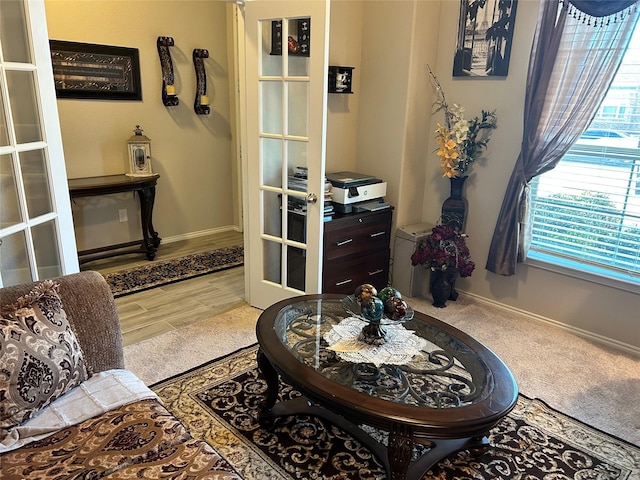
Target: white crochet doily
(399, 348)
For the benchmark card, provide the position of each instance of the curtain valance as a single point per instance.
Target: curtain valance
(599, 12)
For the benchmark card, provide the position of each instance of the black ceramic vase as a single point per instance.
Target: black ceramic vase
(440, 288)
(452, 275)
(454, 208)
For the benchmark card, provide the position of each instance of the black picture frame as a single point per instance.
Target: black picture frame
(485, 35)
(93, 71)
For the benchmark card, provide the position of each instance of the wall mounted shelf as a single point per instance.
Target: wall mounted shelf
(340, 79)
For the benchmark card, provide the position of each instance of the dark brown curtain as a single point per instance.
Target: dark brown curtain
(572, 64)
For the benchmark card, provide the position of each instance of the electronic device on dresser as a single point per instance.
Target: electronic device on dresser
(357, 192)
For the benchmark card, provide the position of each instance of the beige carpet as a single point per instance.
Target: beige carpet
(594, 384)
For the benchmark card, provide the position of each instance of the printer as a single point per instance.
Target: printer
(357, 192)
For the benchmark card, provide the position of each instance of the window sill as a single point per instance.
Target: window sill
(589, 273)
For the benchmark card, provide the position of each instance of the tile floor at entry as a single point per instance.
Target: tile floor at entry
(169, 307)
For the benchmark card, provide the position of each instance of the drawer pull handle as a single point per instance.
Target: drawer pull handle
(339, 244)
(344, 282)
(377, 234)
(375, 272)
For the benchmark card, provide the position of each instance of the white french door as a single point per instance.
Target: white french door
(286, 65)
(36, 227)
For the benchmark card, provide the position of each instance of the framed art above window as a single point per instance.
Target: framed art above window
(84, 70)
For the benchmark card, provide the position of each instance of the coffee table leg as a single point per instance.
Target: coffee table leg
(441, 449)
(399, 452)
(273, 383)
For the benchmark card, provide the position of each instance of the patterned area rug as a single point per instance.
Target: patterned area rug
(136, 279)
(218, 400)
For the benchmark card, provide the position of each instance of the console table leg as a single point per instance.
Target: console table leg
(273, 384)
(147, 198)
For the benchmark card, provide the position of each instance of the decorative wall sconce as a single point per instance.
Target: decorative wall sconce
(340, 79)
(169, 95)
(201, 103)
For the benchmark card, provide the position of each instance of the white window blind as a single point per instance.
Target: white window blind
(587, 209)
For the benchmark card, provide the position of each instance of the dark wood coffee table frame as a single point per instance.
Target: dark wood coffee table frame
(445, 430)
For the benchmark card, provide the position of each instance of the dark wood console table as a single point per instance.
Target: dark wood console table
(109, 184)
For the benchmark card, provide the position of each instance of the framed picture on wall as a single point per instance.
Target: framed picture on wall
(85, 70)
(485, 34)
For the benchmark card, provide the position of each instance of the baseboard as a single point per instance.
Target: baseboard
(594, 337)
(201, 233)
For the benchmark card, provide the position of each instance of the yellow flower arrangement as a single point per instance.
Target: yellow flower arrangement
(460, 142)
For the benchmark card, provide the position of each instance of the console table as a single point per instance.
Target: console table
(109, 184)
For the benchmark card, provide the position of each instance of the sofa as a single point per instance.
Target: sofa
(69, 408)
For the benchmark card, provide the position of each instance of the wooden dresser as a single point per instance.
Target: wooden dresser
(356, 251)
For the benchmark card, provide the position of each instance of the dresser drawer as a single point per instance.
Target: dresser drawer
(344, 275)
(358, 234)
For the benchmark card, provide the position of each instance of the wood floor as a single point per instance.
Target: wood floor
(153, 312)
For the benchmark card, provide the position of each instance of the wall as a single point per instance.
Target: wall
(345, 49)
(598, 311)
(395, 141)
(192, 153)
(385, 128)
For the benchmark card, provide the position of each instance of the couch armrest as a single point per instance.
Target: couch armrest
(88, 302)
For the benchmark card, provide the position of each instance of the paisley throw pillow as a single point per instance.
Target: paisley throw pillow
(40, 358)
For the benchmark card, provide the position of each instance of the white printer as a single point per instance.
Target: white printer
(357, 192)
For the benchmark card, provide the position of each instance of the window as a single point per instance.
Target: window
(586, 211)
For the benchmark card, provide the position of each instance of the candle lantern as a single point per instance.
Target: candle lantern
(139, 153)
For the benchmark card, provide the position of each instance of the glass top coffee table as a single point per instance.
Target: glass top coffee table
(446, 396)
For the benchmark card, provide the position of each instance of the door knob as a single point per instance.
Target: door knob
(312, 198)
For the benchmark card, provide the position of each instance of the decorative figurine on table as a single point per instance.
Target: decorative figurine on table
(376, 308)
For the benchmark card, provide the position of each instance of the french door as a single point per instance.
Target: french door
(36, 227)
(286, 65)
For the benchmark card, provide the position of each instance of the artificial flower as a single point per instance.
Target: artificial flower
(460, 141)
(443, 249)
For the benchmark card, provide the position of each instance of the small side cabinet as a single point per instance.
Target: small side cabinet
(356, 251)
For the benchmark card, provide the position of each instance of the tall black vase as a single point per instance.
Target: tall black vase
(440, 288)
(454, 208)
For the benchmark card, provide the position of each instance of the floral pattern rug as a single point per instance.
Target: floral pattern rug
(218, 403)
(136, 279)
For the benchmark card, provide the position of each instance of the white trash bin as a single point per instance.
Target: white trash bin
(409, 280)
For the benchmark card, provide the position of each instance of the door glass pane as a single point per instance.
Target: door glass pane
(10, 211)
(4, 133)
(14, 264)
(272, 220)
(296, 267)
(13, 32)
(297, 165)
(298, 42)
(298, 108)
(272, 256)
(271, 51)
(271, 98)
(36, 183)
(24, 106)
(296, 225)
(271, 151)
(44, 242)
